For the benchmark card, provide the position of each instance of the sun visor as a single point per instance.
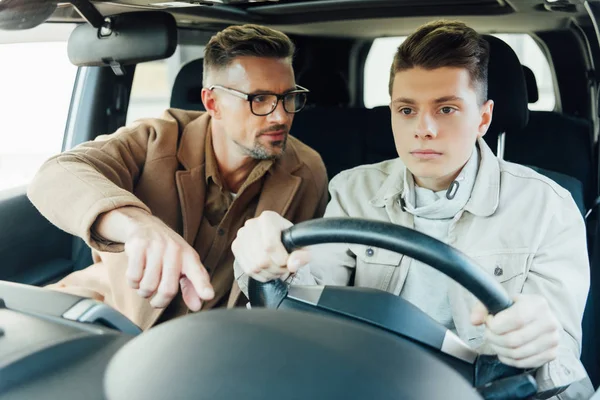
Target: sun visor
(21, 14)
(124, 39)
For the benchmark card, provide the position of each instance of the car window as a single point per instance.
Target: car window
(152, 83)
(382, 52)
(37, 82)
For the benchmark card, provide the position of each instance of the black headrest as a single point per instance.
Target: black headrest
(187, 89)
(506, 86)
(328, 88)
(532, 89)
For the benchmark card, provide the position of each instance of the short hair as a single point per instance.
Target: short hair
(445, 43)
(245, 40)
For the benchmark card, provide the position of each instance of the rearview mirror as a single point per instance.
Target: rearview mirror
(124, 39)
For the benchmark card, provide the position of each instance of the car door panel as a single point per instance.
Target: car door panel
(32, 250)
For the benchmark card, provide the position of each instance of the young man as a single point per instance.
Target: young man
(522, 228)
(130, 195)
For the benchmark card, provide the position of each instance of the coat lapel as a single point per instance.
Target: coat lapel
(191, 188)
(190, 181)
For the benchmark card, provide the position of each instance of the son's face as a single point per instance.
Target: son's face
(436, 118)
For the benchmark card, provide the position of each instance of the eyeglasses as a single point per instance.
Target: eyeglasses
(262, 104)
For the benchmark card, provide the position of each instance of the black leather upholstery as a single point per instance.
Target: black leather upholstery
(532, 90)
(555, 142)
(187, 89)
(327, 88)
(506, 86)
(511, 116)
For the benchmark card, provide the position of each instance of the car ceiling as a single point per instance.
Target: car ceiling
(356, 18)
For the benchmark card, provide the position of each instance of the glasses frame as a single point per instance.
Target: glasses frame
(249, 97)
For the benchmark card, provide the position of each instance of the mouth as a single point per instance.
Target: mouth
(276, 136)
(426, 154)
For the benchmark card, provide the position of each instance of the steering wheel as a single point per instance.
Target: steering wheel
(393, 313)
(322, 342)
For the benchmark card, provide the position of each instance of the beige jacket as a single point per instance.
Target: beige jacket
(516, 219)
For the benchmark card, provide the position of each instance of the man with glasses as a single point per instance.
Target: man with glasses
(160, 201)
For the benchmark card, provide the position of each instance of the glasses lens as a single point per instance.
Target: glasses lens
(263, 104)
(294, 102)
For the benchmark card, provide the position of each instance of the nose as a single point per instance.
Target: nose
(279, 115)
(426, 127)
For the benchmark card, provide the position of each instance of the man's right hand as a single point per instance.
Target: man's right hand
(159, 259)
(259, 251)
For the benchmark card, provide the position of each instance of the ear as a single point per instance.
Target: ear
(486, 117)
(210, 103)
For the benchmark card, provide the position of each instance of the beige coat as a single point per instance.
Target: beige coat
(156, 165)
(516, 219)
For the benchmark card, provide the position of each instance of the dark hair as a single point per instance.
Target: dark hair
(245, 40)
(445, 43)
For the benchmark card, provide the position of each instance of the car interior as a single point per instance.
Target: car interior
(333, 40)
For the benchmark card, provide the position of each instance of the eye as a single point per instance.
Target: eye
(447, 110)
(290, 96)
(405, 111)
(261, 98)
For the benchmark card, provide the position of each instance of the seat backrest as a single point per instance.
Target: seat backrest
(328, 88)
(555, 142)
(508, 89)
(187, 89)
(379, 138)
(337, 134)
(533, 95)
(328, 125)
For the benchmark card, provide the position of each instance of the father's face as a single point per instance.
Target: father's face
(436, 119)
(260, 137)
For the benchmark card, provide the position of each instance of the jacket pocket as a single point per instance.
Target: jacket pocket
(374, 266)
(506, 267)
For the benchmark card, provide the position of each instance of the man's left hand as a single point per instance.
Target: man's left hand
(525, 335)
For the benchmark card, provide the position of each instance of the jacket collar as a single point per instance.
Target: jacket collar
(485, 196)
(192, 144)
